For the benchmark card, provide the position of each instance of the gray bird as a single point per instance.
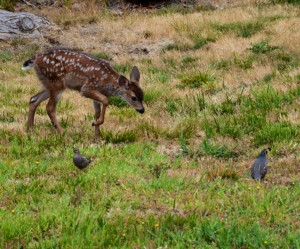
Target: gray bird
(79, 160)
(260, 166)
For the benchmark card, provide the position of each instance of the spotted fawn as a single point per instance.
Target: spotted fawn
(58, 69)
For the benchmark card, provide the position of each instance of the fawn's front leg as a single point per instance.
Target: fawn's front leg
(97, 107)
(96, 96)
(33, 104)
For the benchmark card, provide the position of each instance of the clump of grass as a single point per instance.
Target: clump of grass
(158, 169)
(170, 62)
(198, 79)
(148, 130)
(262, 47)
(226, 126)
(268, 77)
(191, 105)
(197, 42)
(184, 129)
(128, 136)
(116, 101)
(6, 55)
(221, 64)
(244, 63)
(188, 60)
(172, 105)
(8, 4)
(152, 95)
(266, 99)
(242, 29)
(102, 55)
(223, 173)
(226, 107)
(286, 60)
(276, 132)
(123, 68)
(158, 75)
(215, 150)
(296, 2)
(178, 46)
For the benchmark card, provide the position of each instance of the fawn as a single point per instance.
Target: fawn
(58, 69)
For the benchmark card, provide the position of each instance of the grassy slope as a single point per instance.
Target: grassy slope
(177, 176)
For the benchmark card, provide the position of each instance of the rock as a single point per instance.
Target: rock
(24, 25)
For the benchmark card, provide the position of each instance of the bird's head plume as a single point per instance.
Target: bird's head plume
(264, 151)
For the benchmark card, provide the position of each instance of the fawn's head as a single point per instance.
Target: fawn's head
(132, 93)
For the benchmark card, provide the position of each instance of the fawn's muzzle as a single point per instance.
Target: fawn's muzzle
(140, 110)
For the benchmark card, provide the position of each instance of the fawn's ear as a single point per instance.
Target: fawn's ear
(135, 74)
(123, 82)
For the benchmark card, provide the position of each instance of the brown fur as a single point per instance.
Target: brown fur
(58, 69)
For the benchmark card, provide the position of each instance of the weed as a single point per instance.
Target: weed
(262, 47)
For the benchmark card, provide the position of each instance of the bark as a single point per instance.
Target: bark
(23, 25)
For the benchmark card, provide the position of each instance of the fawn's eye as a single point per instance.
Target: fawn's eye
(133, 98)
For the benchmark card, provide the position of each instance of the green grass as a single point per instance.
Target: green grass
(241, 29)
(177, 176)
(198, 79)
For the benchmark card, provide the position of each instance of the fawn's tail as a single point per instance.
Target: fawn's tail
(27, 65)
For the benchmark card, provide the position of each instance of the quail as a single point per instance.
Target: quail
(79, 160)
(260, 166)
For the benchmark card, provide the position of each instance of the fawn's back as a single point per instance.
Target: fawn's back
(62, 68)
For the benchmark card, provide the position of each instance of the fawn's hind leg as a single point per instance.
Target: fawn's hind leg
(97, 107)
(33, 104)
(51, 109)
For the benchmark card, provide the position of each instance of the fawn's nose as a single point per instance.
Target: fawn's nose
(140, 110)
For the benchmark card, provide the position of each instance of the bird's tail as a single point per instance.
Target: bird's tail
(27, 65)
